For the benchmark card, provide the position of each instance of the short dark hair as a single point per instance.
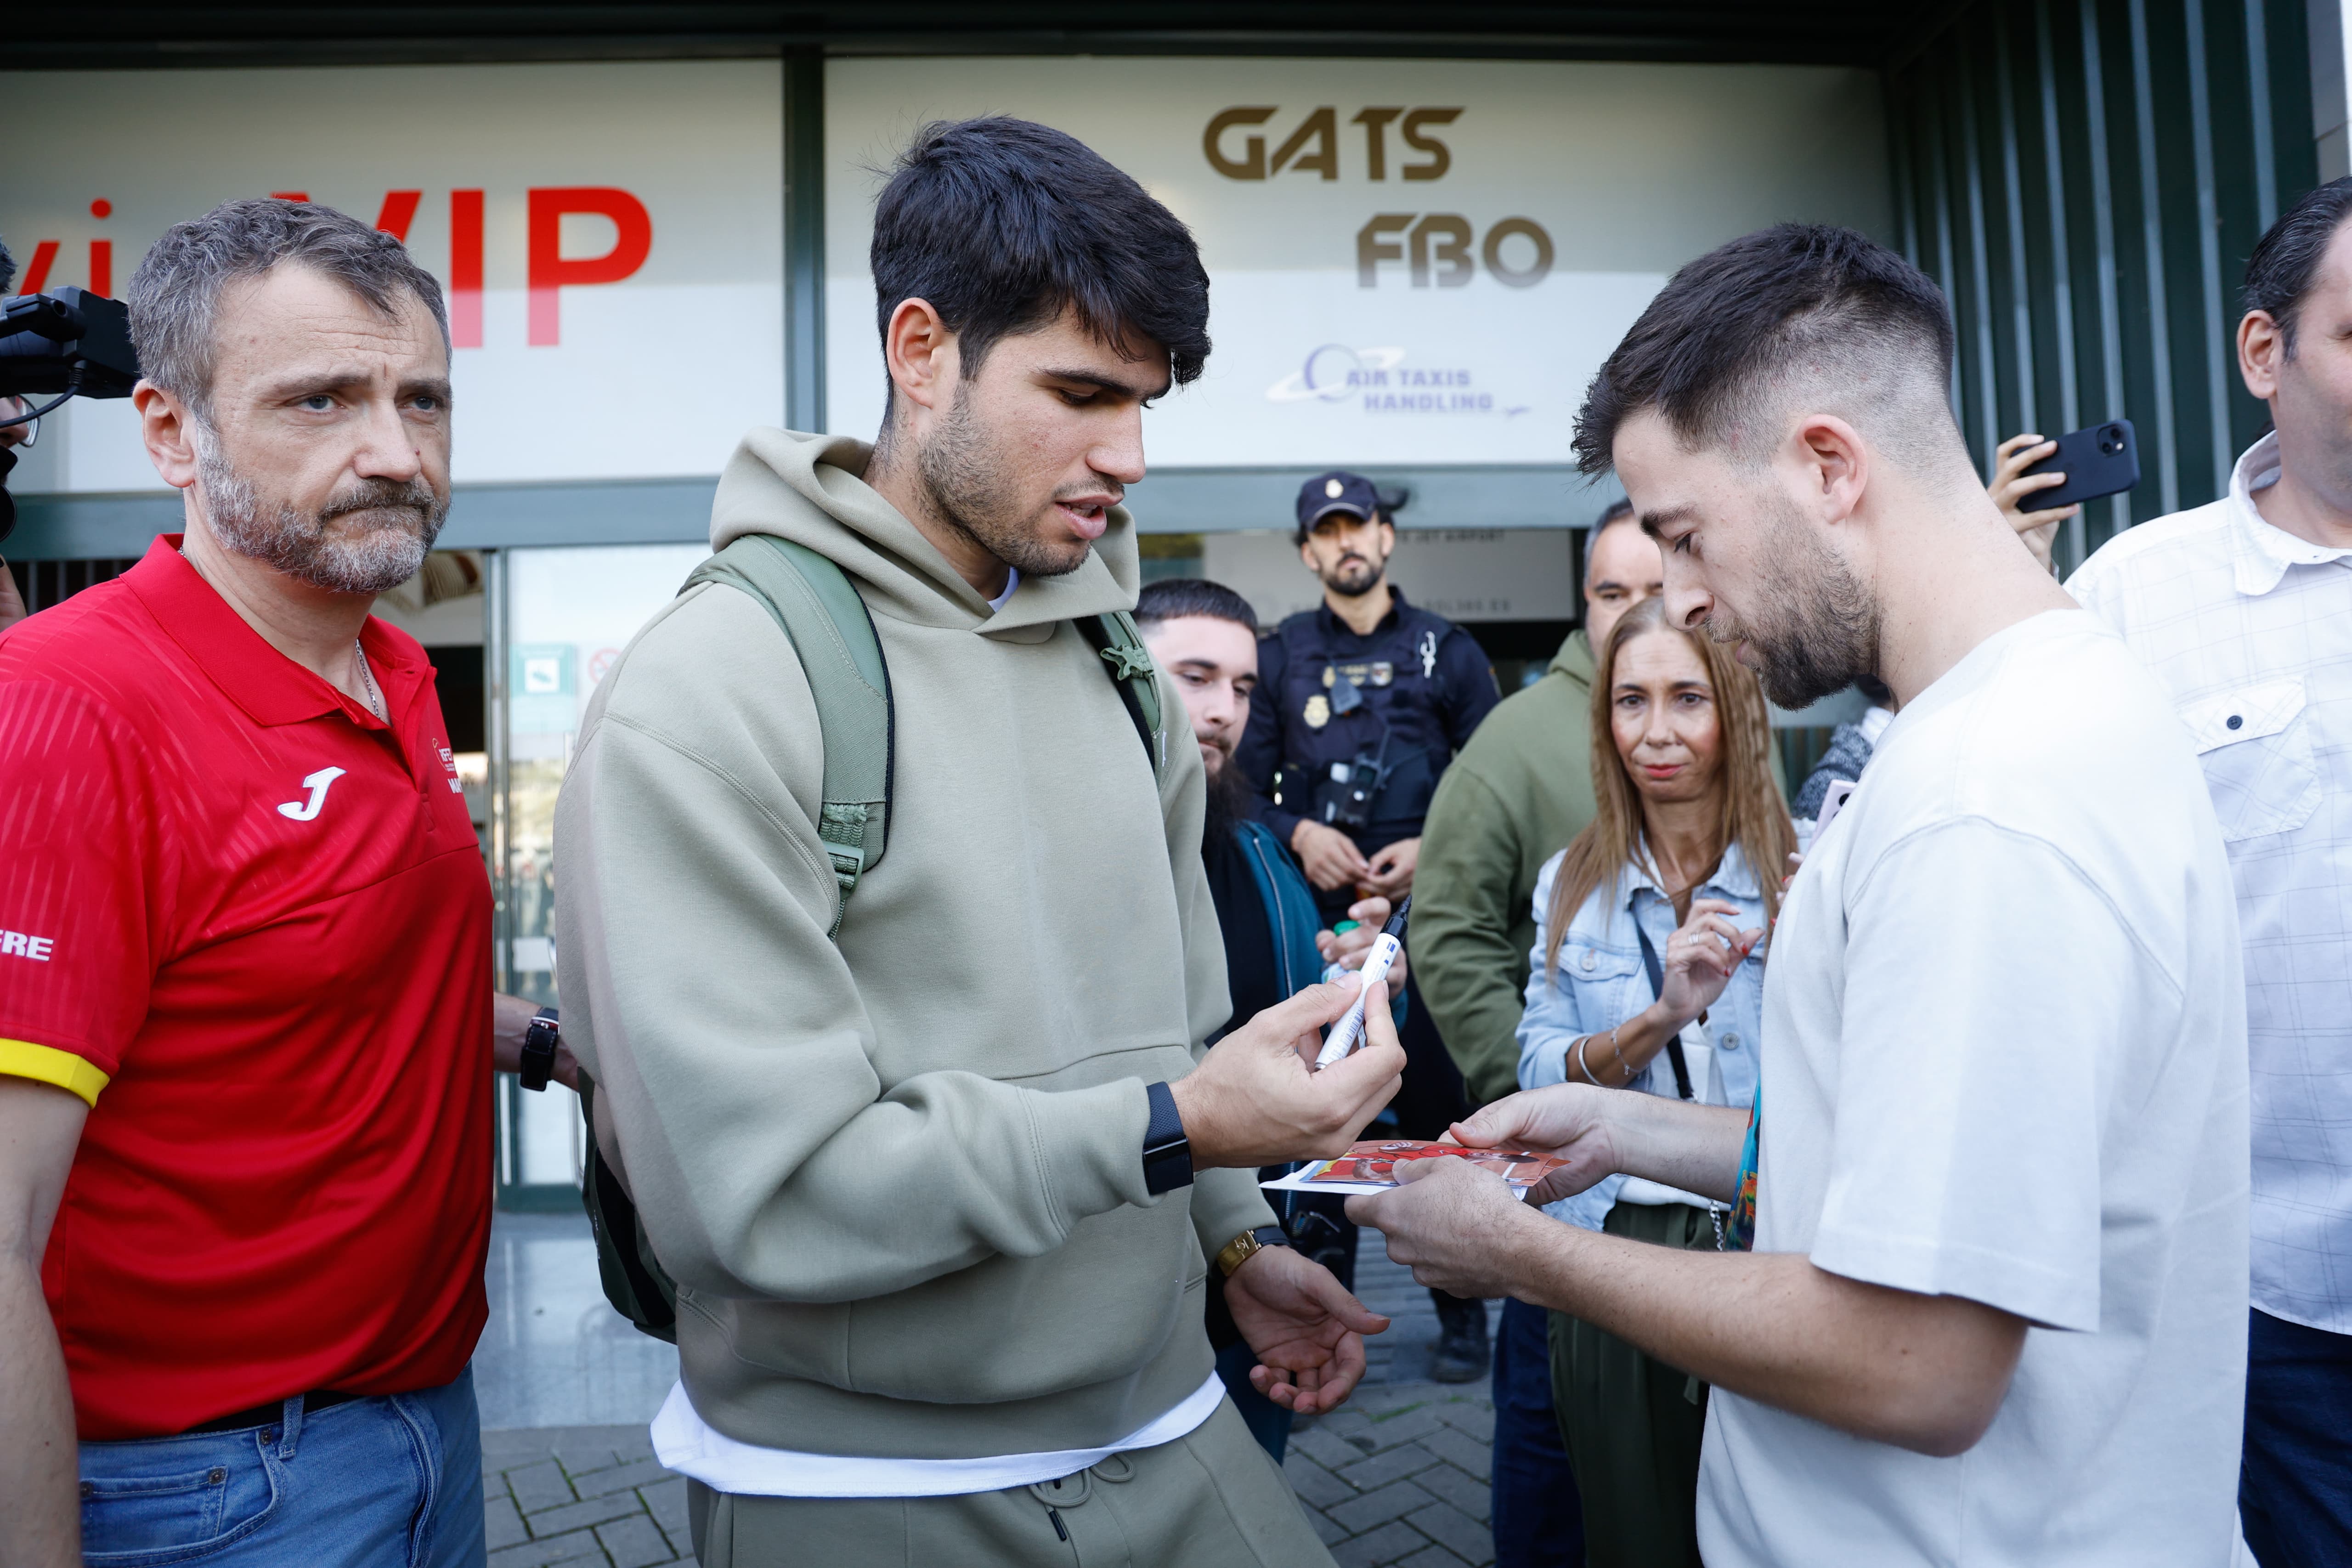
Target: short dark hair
(1001, 224)
(1619, 509)
(1175, 598)
(1729, 328)
(176, 293)
(2279, 273)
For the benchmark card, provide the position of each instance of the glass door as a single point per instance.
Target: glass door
(560, 619)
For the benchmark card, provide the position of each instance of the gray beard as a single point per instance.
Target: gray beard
(963, 471)
(386, 554)
(1820, 631)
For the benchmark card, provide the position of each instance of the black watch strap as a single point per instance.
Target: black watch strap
(539, 1049)
(1167, 1155)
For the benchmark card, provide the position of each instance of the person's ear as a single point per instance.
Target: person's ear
(921, 355)
(2262, 354)
(167, 429)
(1834, 464)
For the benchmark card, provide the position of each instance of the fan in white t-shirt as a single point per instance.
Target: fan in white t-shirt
(1996, 1171)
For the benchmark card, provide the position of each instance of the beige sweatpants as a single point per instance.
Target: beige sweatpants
(1209, 1500)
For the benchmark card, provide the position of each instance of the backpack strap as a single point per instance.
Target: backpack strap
(820, 612)
(1121, 645)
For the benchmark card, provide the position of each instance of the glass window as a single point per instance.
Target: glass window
(567, 614)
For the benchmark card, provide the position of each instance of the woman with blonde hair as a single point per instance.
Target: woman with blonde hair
(1647, 974)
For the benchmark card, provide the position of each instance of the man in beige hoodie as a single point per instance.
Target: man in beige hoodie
(935, 1304)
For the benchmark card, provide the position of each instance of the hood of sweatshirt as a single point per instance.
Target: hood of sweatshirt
(1574, 660)
(811, 491)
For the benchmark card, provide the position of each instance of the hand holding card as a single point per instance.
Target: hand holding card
(1371, 1167)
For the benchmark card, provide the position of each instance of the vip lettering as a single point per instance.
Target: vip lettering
(16, 944)
(1313, 146)
(547, 271)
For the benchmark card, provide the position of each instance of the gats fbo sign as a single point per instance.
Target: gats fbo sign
(1411, 262)
(608, 239)
(1440, 242)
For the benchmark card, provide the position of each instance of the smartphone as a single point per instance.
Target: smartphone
(2102, 460)
(1840, 792)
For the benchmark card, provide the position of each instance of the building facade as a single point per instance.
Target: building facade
(1422, 234)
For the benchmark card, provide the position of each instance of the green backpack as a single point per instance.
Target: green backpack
(820, 614)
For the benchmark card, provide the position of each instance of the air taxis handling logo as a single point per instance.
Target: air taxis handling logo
(1382, 383)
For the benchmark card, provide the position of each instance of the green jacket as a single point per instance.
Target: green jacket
(898, 1177)
(1513, 798)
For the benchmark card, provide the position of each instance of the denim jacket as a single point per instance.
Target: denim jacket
(1601, 982)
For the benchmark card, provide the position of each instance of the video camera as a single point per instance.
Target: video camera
(71, 343)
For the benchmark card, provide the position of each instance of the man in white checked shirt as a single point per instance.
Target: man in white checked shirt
(2243, 610)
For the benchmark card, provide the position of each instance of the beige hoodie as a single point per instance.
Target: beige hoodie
(898, 1179)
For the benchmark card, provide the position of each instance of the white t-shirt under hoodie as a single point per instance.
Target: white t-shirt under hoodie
(2007, 1061)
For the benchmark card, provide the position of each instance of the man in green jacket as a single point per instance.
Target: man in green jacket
(1514, 797)
(944, 1190)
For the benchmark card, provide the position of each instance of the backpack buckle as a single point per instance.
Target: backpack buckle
(1128, 661)
(840, 826)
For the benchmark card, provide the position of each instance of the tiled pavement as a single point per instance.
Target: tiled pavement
(1396, 1476)
(585, 1495)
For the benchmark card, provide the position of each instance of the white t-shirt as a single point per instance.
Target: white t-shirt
(2007, 1062)
(684, 1442)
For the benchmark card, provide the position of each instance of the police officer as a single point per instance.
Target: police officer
(1363, 702)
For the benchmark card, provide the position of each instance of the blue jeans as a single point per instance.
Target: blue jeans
(393, 1482)
(1537, 1513)
(2295, 1491)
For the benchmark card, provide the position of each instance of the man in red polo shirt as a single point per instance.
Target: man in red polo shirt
(245, 1012)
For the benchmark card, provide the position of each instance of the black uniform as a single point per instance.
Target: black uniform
(1388, 712)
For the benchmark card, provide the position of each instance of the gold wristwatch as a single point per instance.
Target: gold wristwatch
(1246, 1246)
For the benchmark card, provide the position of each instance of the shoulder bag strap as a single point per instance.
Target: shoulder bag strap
(1658, 989)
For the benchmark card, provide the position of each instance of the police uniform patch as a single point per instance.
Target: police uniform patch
(1317, 711)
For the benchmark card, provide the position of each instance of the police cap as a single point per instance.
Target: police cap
(1337, 491)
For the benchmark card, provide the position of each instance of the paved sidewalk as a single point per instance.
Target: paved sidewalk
(1397, 1476)
(586, 1495)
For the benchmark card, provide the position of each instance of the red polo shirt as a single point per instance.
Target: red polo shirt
(249, 924)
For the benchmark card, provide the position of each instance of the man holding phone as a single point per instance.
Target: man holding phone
(2242, 608)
